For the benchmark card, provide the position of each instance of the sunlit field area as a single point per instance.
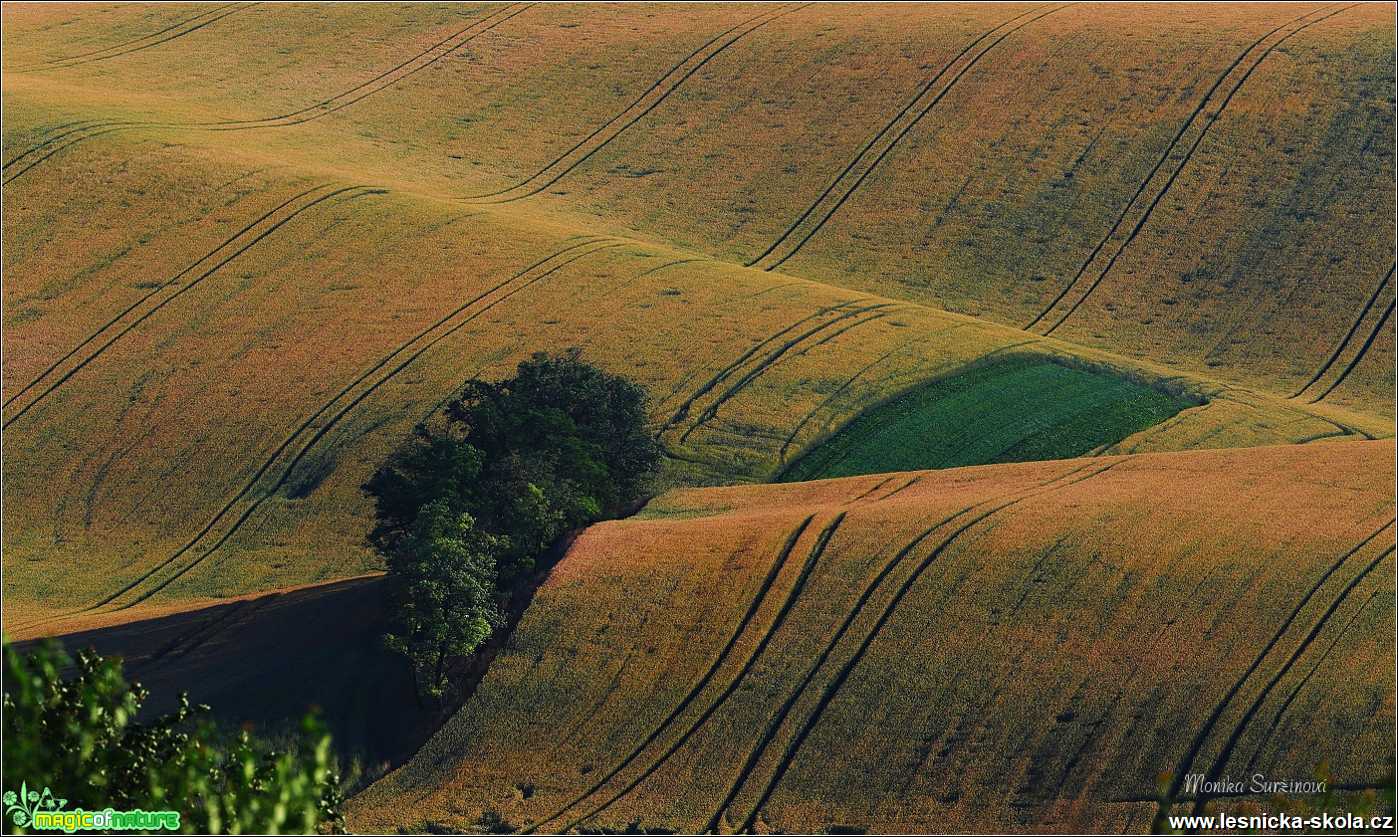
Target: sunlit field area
(963, 417)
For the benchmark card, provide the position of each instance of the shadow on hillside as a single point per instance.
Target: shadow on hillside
(265, 661)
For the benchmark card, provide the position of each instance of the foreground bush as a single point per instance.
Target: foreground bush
(75, 743)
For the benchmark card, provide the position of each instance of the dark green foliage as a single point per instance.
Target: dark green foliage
(1016, 410)
(524, 460)
(445, 598)
(78, 737)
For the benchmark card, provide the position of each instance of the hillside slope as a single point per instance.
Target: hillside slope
(991, 647)
(193, 397)
(1209, 187)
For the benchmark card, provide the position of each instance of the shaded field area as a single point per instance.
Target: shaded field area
(1017, 410)
(1025, 646)
(266, 660)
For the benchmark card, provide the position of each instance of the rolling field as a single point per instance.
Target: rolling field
(1024, 374)
(1136, 182)
(269, 343)
(991, 647)
(1018, 410)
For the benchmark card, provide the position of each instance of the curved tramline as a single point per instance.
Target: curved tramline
(876, 311)
(232, 248)
(936, 660)
(1364, 313)
(873, 152)
(660, 90)
(81, 132)
(159, 287)
(837, 314)
(144, 42)
(803, 229)
(818, 548)
(1248, 61)
(971, 518)
(308, 433)
(1201, 736)
(757, 603)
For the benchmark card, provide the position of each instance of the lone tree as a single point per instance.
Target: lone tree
(466, 509)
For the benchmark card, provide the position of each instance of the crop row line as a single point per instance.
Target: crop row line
(312, 433)
(834, 685)
(1348, 335)
(230, 249)
(1204, 126)
(1201, 736)
(660, 90)
(82, 131)
(877, 148)
(798, 586)
(1221, 762)
(143, 42)
(777, 355)
(760, 597)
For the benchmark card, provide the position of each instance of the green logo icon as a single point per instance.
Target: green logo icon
(42, 811)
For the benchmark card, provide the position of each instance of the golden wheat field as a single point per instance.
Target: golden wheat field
(1023, 374)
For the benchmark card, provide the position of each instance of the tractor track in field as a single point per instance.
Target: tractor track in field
(190, 641)
(1177, 779)
(909, 484)
(157, 289)
(768, 261)
(775, 357)
(135, 43)
(350, 192)
(791, 230)
(585, 148)
(875, 487)
(82, 131)
(1286, 704)
(794, 593)
(790, 438)
(834, 685)
(1231, 743)
(130, 41)
(1363, 350)
(1348, 335)
(774, 572)
(438, 332)
(1209, 122)
(682, 412)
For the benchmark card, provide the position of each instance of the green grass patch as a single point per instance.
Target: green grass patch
(1018, 410)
